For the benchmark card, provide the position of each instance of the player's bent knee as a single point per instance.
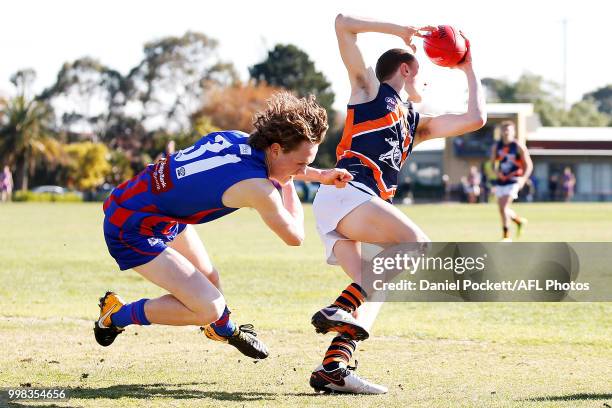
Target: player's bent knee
(404, 235)
(211, 312)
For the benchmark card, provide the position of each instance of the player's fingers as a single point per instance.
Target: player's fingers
(343, 174)
(467, 41)
(340, 184)
(426, 29)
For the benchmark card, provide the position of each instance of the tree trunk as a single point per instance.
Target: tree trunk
(24, 171)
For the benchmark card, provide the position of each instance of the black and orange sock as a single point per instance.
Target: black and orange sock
(351, 298)
(339, 353)
(517, 220)
(506, 233)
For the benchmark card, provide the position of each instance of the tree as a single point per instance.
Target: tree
(85, 95)
(602, 98)
(546, 103)
(25, 138)
(499, 90)
(287, 66)
(3, 105)
(234, 107)
(121, 167)
(88, 165)
(585, 113)
(544, 96)
(170, 82)
(529, 88)
(291, 68)
(23, 81)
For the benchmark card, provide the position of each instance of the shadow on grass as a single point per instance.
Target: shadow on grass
(572, 397)
(24, 405)
(171, 391)
(160, 390)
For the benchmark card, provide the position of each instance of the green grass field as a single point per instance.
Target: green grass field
(54, 266)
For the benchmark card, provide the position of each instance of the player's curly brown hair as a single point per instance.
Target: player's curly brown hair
(288, 121)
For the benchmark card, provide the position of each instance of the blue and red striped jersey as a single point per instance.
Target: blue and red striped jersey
(186, 187)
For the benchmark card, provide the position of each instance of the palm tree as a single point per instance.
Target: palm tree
(24, 137)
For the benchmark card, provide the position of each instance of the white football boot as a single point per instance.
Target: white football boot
(333, 318)
(343, 380)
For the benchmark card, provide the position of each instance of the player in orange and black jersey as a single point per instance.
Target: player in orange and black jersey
(380, 132)
(513, 167)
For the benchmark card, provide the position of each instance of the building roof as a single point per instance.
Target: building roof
(571, 134)
(570, 152)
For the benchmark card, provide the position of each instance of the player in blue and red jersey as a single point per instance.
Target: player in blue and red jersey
(147, 223)
(513, 166)
(381, 131)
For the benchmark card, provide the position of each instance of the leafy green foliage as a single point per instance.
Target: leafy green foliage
(602, 98)
(585, 113)
(121, 168)
(25, 137)
(88, 164)
(289, 67)
(31, 196)
(84, 96)
(171, 80)
(591, 111)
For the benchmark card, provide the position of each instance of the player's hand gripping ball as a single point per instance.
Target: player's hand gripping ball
(445, 46)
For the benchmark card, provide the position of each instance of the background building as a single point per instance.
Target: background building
(587, 151)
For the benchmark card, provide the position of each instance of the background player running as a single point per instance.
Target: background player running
(513, 166)
(380, 132)
(146, 224)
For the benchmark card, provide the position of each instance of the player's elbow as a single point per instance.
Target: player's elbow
(340, 22)
(477, 121)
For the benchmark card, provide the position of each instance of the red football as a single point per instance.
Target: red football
(445, 46)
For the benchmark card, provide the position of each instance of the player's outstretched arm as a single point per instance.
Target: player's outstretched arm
(336, 177)
(364, 84)
(284, 216)
(447, 125)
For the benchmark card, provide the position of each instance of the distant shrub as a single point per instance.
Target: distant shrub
(47, 197)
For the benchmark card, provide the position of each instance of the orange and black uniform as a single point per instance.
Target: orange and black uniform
(378, 138)
(510, 163)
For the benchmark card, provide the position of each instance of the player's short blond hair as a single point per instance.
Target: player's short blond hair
(289, 121)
